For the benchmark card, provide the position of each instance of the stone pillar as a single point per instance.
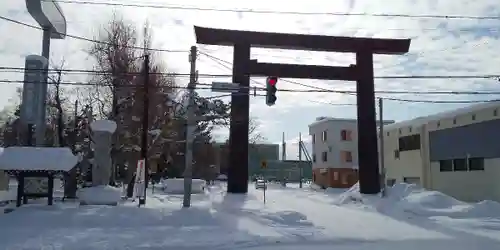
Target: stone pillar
(102, 136)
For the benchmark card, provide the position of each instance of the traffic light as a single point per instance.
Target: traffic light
(271, 89)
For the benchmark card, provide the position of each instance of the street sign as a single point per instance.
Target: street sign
(33, 100)
(263, 164)
(225, 87)
(140, 178)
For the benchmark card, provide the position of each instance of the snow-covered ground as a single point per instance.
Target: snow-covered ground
(291, 218)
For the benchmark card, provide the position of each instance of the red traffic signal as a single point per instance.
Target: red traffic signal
(272, 80)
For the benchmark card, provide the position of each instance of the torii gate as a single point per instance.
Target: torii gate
(362, 73)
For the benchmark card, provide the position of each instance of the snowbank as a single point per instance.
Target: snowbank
(103, 125)
(176, 186)
(99, 195)
(413, 199)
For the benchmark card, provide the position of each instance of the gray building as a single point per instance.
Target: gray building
(455, 152)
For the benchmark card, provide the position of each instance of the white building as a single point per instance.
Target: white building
(456, 152)
(335, 151)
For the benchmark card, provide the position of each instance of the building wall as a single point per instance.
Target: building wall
(256, 154)
(337, 171)
(290, 169)
(471, 134)
(401, 164)
(477, 138)
(333, 144)
(471, 186)
(335, 177)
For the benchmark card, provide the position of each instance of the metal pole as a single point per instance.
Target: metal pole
(190, 128)
(41, 124)
(29, 135)
(381, 140)
(300, 160)
(283, 157)
(145, 128)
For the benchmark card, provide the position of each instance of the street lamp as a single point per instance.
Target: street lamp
(49, 15)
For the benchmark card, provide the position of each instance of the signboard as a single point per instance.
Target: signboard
(48, 14)
(32, 101)
(140, 178)
(225, 87)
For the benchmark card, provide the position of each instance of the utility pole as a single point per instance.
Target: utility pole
(283, 146)
(283, 158)
(190, 128)
(145, 128)
(300, 160)
(381, 148)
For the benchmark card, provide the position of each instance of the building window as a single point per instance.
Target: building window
(323, 136)
(396, 154)
(476, 164)
(324, 156)
(346, 156)
(455, 121)
(346, 135)
(335, 176)
(313, 138)
(388, 133)
(438, 124)
(399, 131)
(459, 165)
(495, 112)
(445, 166)
(314, 157)
(409, 142)
(409, 129)
(473, 117)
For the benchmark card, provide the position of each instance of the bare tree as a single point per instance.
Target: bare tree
(254, 135)
(118, 93)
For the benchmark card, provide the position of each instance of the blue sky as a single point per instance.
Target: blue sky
(439, 47)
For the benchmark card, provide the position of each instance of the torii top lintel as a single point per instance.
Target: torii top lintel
(224, 37)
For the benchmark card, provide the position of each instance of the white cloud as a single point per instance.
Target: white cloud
(439, 46)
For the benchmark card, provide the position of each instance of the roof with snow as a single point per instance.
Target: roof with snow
(419, 121)
(37, 159)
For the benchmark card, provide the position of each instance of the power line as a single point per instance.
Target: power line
(103, 72)
(257, 89)
(90, 40)
(388, 92)
(262, 11)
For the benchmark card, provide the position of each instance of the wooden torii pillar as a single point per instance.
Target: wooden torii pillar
(362, 73)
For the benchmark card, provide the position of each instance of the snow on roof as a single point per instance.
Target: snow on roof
(443, 115)
(34, 158)
(323, 119)
(103, 125)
